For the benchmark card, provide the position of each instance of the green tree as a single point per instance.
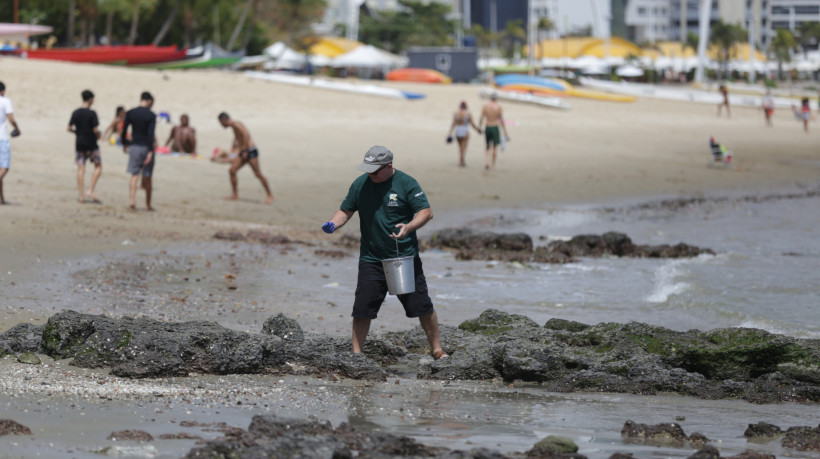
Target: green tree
(512, 38)
(782, 46)
(808, 34)
(725, 37)
(416, 24)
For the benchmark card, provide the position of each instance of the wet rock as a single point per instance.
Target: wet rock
(661, 434)
(472, 245)
(707, 452)
(286, 328)
(132, 435)
(23, 337)
(180, 436)
(9, 427)
(229, 236)
(554, 444)
(751, 455)
(621, 456)
(494, 322)
(29, 358)
(762, 430)
(802, 438)
(465, 238)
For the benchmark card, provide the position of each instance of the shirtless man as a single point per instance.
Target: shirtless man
(183, 137)
(492, 114)
(248, 154)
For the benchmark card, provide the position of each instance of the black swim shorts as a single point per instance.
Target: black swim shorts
(372, 288)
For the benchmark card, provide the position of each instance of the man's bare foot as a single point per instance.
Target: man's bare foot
(91, 198)
(81, 200)
(150, 209)
(232, 197)
(269, 200)
(132, 206)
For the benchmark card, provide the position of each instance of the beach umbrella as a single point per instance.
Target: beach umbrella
(368, 56)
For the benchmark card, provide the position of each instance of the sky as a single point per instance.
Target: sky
(578, 13)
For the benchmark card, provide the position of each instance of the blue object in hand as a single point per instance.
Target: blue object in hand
(329, 227)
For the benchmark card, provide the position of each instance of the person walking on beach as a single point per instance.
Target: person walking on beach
(140, 149)
(84, 124)
(6, 112)
(768, 107)
(725, 93)
(183, 137)
(462, 120)
(392, 207)
(114, 129)
(248, 154)
(491, 113)
(804, 113)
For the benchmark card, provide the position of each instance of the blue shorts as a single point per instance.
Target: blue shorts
(371, 289)
(5, 154)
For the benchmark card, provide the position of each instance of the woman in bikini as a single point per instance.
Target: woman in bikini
(461, 128)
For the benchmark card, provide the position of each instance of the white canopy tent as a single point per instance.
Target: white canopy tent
(284, 57)
(369, 57)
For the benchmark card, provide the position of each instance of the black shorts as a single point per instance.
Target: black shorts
(251, 153)
(372, 288)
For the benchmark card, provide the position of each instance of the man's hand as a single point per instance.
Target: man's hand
(329, 227)
(148, 158)
(404, 228)
(125, 149)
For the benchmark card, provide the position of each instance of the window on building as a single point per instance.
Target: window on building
(807, 9)
(641, 11)
(780, 10)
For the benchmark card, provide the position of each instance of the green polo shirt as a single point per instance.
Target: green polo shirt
(381, 207)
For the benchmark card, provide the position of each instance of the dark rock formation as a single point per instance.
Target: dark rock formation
(9, 427)
(562, 355)
(132, 435)
(802, 438)
(273, 437)
(762, 430)
(254, 236)
(471, 245)
(661, 434)
(23, 337)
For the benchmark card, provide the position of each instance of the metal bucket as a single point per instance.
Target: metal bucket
(400, 275)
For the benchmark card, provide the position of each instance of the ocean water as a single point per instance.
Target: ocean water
(765, 272)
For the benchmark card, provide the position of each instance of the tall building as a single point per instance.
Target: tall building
(649, 20)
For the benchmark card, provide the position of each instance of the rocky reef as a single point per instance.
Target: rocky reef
(477, 245)
(561, 355)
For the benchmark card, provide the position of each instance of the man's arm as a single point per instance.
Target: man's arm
(420, 219)
(171, 136)
(10, 117)
(123, 138)
(337, 221)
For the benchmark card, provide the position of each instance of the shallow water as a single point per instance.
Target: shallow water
(764, 276)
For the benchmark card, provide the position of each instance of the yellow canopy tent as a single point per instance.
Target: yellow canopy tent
(740, 52)
(671, 49)
(333, 46)
(569, 47)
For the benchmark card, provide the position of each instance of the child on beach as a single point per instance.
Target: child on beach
(112, 132)
(768, 107)
(804, 113)
(719, 153)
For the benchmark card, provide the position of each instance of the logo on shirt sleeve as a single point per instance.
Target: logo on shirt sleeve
(420, 193)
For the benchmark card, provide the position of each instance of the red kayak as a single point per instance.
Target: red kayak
(125, 54)
(418, 75)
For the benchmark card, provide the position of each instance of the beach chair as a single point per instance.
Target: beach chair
(721, 157)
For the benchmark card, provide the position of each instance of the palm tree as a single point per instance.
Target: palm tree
(512, 35)
(782, 46)
(725, 36)
(544, 26)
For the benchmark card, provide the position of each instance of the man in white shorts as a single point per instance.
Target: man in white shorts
(6, 111)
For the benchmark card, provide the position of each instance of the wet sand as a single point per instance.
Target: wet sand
(58, 254)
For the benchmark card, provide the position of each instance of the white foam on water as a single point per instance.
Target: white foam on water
(666, 284)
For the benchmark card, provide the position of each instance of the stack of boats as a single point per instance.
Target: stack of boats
(140, 55)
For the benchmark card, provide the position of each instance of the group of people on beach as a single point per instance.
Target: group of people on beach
(802, 114)
(492, 119)
(141, 146)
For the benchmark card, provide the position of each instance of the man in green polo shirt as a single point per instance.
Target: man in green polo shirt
(391, 206)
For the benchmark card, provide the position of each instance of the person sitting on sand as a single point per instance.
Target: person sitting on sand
(223, 156)
(462, 120)
(114, 129)
(183, 137)
(248, 154)
(84, 124)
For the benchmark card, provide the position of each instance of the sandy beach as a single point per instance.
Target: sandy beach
(310, 142)
(56, 253)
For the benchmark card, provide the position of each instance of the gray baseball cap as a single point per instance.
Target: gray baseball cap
(375, 158)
